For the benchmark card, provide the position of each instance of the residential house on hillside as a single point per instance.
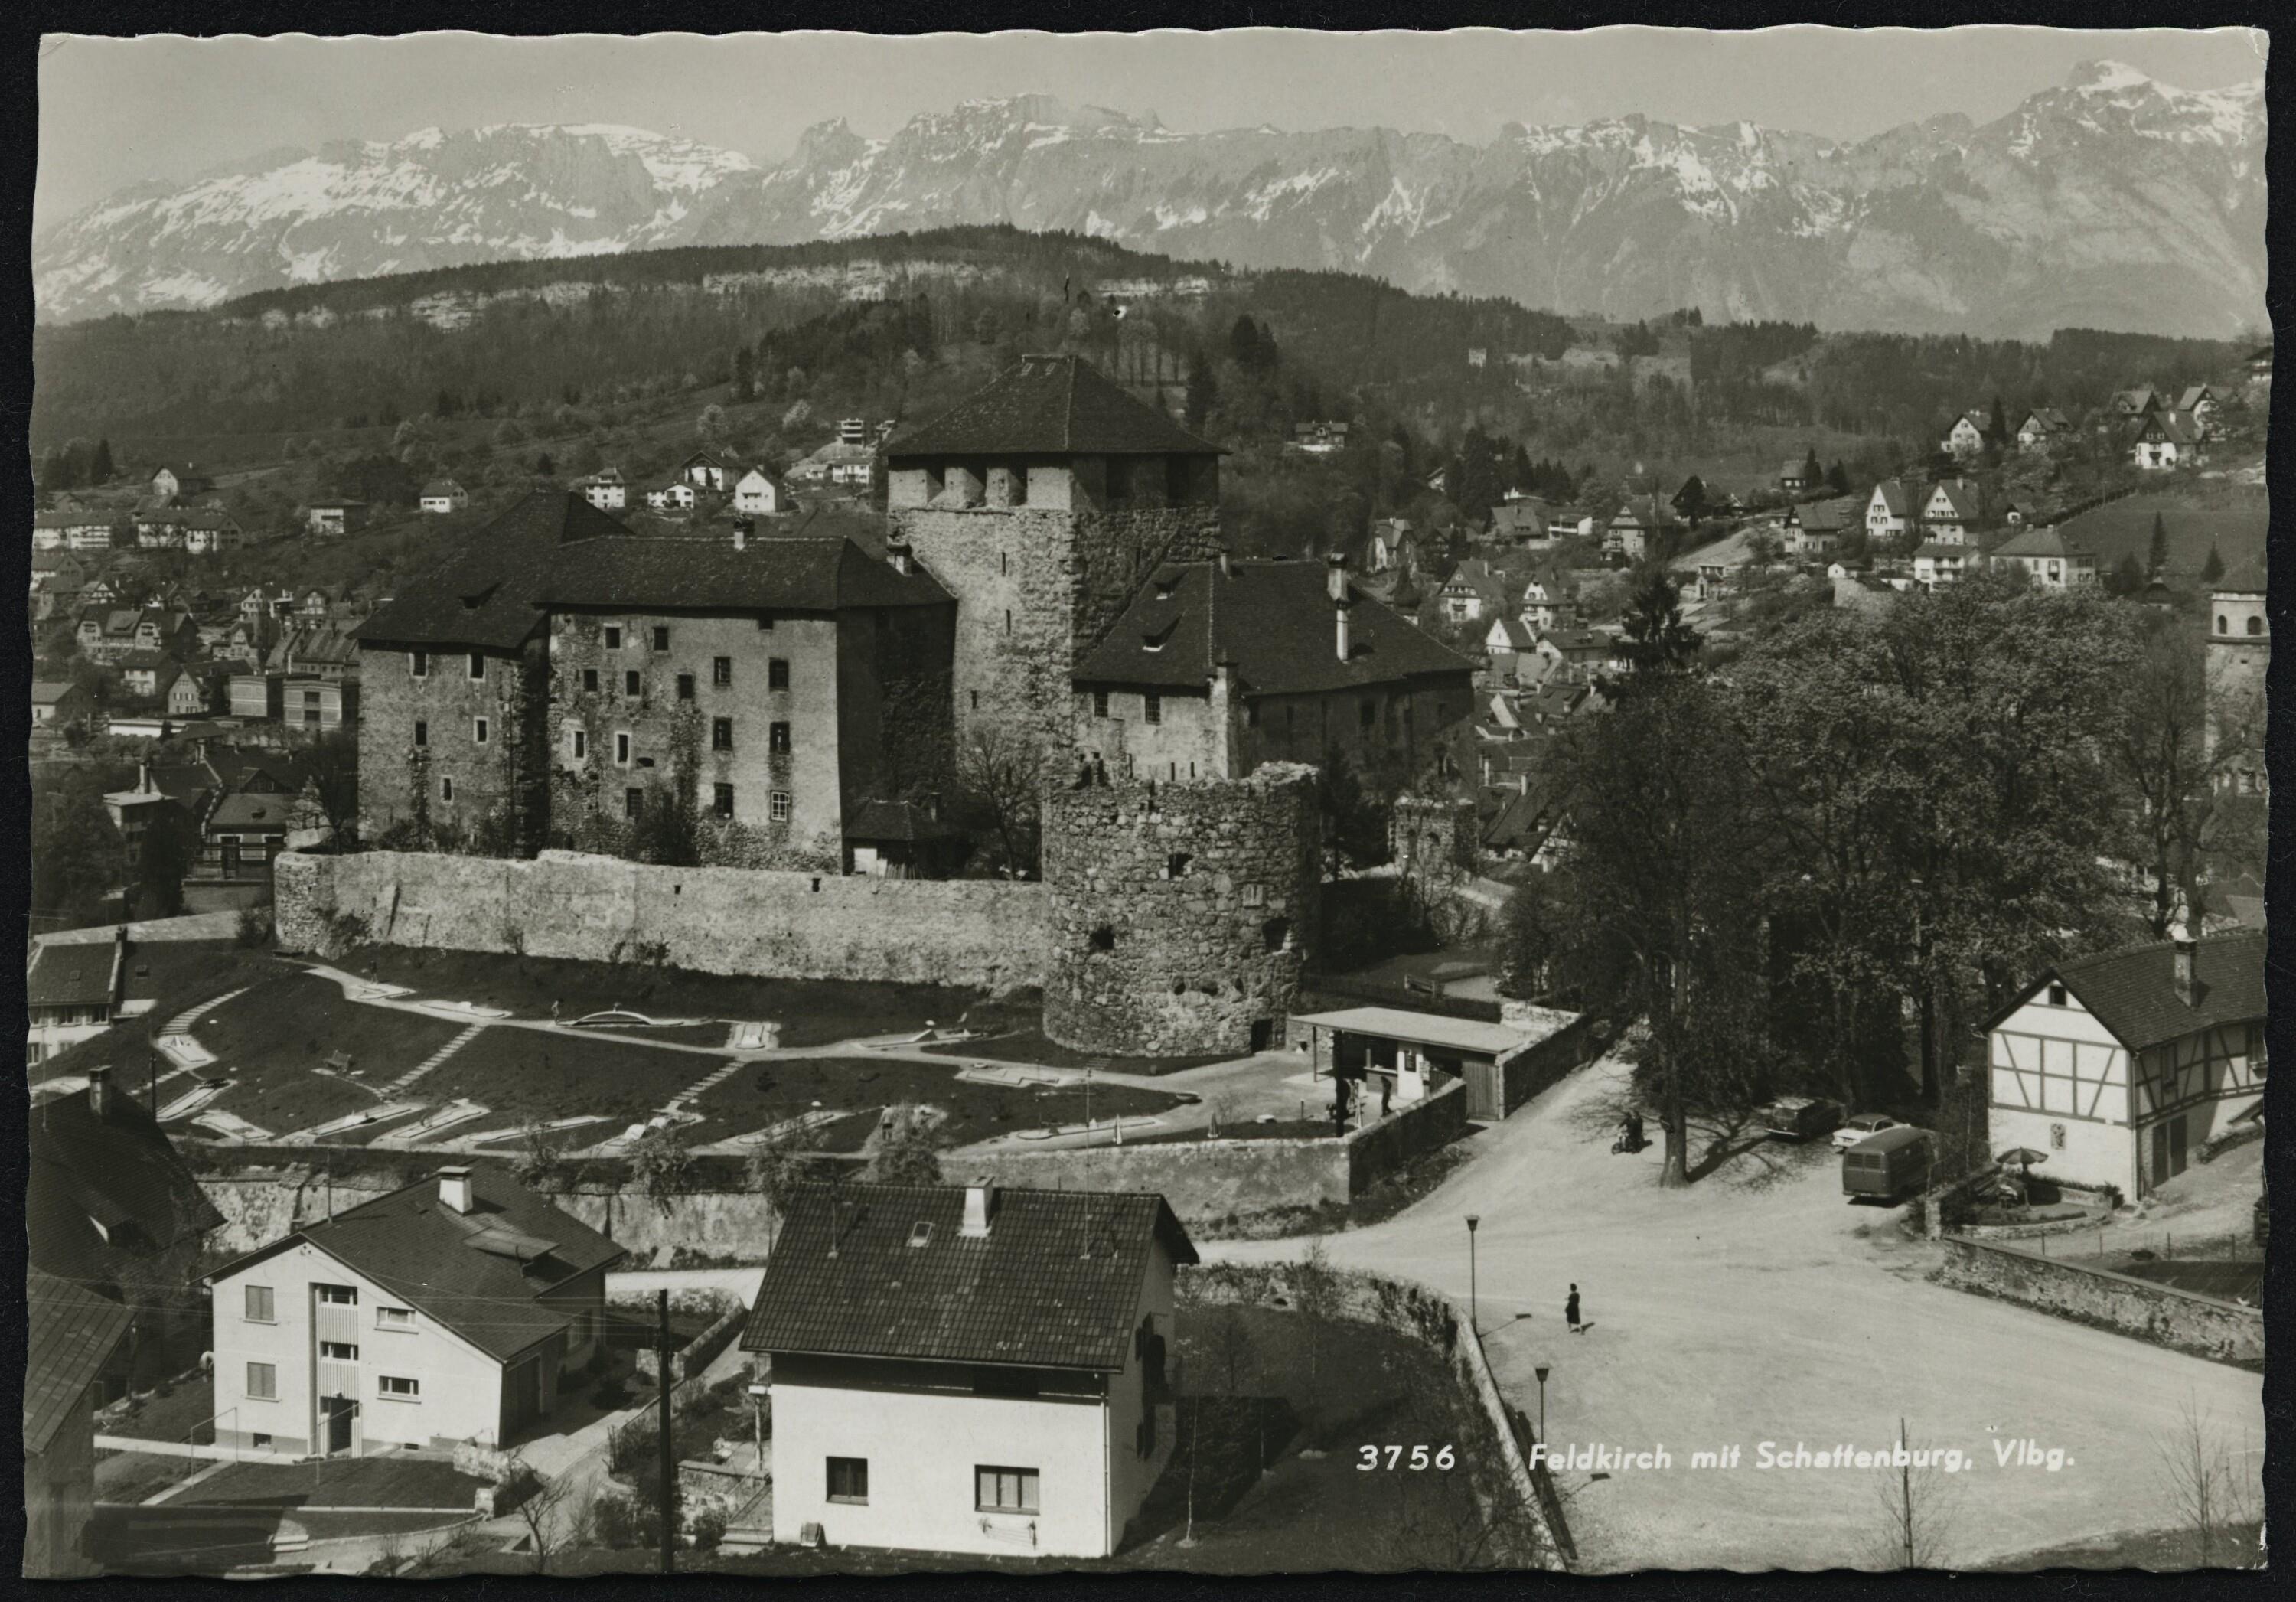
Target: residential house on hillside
(210, 531)
(72, 1334)
(703, 471)
(969, 1369)
(758, 493)
(2164, 440)
(1942, 561)
(677, 495)
(146, 675)
(2135, 403)
(1505, 642)
(75, 530)
(783, 649)
(193, 694)
(1548, 600)
(2260, 363)
(1713, 570)
(57, 702)
(1579, 655)
(71, 993)
(1813, 528)
(1637, 527)
(606, 489)
(334, 518)
(1966, 437)
(1393, 546)
(844, 463)
(110, 1204)
(2120, 1066)
(1321, 438)
(456, 1308)
(1519, 523)
(176, 479)
(442, 496)
(2043, 427)
(1950, 510)
(1890, 510)
(1475, 591)
(1793, 478)
(2048, 558)
(2199, 402)
(1217, 667)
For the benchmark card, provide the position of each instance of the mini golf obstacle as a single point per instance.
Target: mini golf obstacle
(438, 1118)
(385, 1114)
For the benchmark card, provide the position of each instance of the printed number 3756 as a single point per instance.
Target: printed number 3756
(1442, 1457)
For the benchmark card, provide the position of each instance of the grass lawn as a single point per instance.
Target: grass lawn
(810, 1012)
(271, 1040)
(172, 976)
(189, 1406)
(1029, 1046)
(130, 1477)
(759, 1095)
(1282, 1129)
(522, 1074)
(389, 1480)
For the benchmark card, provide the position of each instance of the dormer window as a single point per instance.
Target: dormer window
(1168, 585)
(921, 1233)
(1157, 641)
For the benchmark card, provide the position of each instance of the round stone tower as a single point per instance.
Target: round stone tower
(1183, 913)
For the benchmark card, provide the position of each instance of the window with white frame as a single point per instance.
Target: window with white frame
(479, 730)
(263, 1382)
(394, 1317)
(1000, 1490)
(777, 806)
(339, 1351)
(621, 751)
(478, 665)
(338, 1296)
(418, 664)
(398, 1386)
(259, 1305)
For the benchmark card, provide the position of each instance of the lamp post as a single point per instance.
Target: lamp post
(1474, 1319)
(1542, 1371)
(757, 1419)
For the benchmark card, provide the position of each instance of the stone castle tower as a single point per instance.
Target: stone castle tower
(2240, 661)
(1181, 914)
(1042, 502)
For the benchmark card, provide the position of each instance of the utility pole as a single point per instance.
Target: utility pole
(1906, 1490)
(669, 1448)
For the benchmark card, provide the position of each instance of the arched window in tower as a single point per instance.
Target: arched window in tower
(2256, 625)
(2223, 627)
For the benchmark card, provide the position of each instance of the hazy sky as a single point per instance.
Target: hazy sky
(120, 111)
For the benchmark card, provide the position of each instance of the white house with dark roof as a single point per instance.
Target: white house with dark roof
(2121, 1066)
(968, 1370)
(442, 496)
(1966, 437)
(451, 1309)
(2048, 558)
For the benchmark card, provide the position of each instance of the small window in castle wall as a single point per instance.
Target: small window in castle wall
(1019, 491)
(479, 731)
(1255, 895)
(721, 733)
(1008, 620)
(1275, 932)
(1003, 565)
(661, 637)
(418, 664)
(685, 686)
(722, 800)
(777, 739)
(1176, 866)
(447, 789)
(633, 802)
(777, 675)
(777, 806)
(422, 732)
(1151, 708)
(577, 744)
(1104, 939)
(478, 665)
(613, 638)
(632, 683)
(589, 681)
(622, 750)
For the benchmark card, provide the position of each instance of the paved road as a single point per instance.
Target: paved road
(1759, 1305)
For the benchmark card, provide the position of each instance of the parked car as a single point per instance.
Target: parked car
(1889, 1164)
(1799, 1117)
(1865, 1124)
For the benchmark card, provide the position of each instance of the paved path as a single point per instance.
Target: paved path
(1759, 1305)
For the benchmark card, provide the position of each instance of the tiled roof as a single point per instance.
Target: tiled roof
(1517, 633)
(1940, 549)
(1896, 500)
(795, 573)
(71, 1333)
(1272, 618)
(1961, 504)
(481, 1273)
(2133, 992)
(117, 1171)
(2041, 542)
(1055, 1283)
(73, 975)
(483, 594)
(2246, 579)
(1051, 405)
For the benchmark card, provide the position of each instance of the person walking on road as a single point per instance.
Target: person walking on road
(1570, 1311)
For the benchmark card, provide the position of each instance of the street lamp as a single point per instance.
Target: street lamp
(1542, 1371)
(1474, 1320)
(757, 1419)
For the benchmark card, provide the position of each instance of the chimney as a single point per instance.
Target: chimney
(932, 805)
(980, 1201)
(1335, 585)
(99, 1092)
(1226, 564)
(2186, 951)
(454, 1189)
(743, 529)
(897, 553)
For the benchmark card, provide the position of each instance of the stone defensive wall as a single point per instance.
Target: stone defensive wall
(2162, 1314)
(984, 934)
(1183, 913)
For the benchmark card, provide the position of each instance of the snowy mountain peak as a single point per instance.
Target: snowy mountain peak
(2107, 77)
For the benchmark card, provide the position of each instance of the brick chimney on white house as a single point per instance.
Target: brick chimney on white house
(2187, 950)
(1335, 585)
(980, 1203)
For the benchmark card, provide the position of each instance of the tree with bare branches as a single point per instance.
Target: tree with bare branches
(2213, 1491)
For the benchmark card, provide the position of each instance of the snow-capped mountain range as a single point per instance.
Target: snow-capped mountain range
(2112, 200)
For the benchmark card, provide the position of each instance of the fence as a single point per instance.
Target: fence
(2146, 1309)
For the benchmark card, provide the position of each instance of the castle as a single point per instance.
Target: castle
(1054, 576)
(2239, 662)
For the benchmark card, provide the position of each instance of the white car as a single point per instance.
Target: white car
(1858, 1128)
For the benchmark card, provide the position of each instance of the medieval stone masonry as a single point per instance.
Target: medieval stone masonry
(1181, 914)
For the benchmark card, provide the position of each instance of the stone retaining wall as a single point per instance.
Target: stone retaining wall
(1434, 1320)
(2158, 1313)
(988, 934)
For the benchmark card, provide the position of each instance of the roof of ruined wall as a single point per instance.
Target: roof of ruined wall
(1050, 406)
(1274, 620)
